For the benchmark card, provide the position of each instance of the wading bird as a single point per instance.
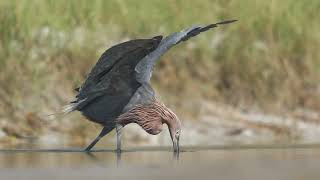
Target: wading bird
(117, 91)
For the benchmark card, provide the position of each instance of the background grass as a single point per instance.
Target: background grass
(268, 59)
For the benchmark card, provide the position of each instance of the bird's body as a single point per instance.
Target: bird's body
(111, 84)
(117, 91)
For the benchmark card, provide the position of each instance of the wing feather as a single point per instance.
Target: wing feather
(111, 83)
(145, 66)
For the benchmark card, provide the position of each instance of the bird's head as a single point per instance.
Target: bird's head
(174, 126)
(175, 131)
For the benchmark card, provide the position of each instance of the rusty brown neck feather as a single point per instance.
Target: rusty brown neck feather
(150, 117)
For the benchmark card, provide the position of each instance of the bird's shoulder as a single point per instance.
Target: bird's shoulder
(144, 95)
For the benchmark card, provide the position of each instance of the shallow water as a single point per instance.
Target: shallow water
(212, 162)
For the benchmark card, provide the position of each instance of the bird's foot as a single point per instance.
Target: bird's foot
(87, 150)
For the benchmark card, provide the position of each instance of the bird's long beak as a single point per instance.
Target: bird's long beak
(176, 147)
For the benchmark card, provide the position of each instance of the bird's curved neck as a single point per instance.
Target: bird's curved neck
(168, 117)
(150, 117)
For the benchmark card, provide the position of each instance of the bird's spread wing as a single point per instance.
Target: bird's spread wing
(112, 78)
(120, 79)
(110, 58)
(145, 66)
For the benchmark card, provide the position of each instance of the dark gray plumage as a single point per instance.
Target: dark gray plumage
(120, 80)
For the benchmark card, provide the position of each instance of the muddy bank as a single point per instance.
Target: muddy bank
(214, 124)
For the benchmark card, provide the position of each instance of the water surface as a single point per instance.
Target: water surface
(212, 162)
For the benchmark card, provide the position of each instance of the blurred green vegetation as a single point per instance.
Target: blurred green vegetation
(269, 58)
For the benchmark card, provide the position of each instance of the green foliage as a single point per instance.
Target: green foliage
(270, 56)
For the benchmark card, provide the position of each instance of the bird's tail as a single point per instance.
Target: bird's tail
(72, 106)
(67, 109)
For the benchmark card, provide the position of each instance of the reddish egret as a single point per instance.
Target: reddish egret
(117, 91)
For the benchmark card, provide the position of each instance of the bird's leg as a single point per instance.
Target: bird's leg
(118, 130)
(119, 162)
(103, 132)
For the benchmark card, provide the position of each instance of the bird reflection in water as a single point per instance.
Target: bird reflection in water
(118, 155)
